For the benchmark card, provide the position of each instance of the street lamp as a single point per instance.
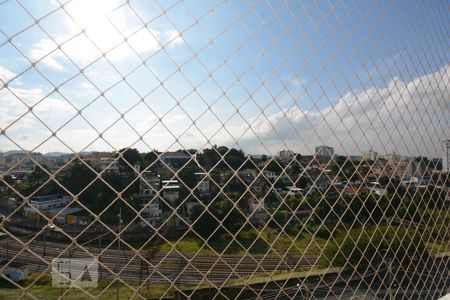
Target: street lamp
(51, 226)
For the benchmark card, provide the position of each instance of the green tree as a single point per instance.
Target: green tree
(150, 158)
(383, 180)
(274, 166)
(364, 248)
(207, 221)
(279, 219)
(128, 158)
(38, 184)
(205, 224)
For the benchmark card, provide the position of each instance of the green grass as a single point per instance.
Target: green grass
(187, 244)
(252, 241)
(439, 217)
(50, 293)
(306, 245)
(42, 289)
(438, 247)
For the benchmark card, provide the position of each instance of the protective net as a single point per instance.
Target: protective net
(224, 149)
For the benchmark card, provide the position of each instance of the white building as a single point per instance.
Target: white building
(271, 175)
(48, 202)
(170, 190)
(324, 151)
(286, 155)
(2, 160)
(50, 205)
(371, 155)
(446, 156)
(149, 185)
(256, 205)
(15, 271)
(203, 184)
(392, 158)
(153, 209)
(109, 164)
(376, 188)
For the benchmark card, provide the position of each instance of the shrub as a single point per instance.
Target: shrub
(364, 248)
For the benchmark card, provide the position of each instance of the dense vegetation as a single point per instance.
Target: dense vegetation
(370, 247)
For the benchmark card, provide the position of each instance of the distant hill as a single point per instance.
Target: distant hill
(55, 154)
(11, 152)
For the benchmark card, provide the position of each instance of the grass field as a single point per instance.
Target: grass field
(40, 286)
(252, 241)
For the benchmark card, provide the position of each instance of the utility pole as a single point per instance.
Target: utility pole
(389, 277)
(45, 239)
(386, 260)
(118, 247)
(99, 256)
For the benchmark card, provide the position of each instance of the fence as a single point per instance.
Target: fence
(224, 149)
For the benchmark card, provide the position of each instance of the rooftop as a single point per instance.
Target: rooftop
(47, 198)
(12, 264)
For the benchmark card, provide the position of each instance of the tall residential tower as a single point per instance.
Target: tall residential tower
(446, 156)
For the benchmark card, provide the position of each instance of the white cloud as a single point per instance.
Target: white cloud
(407, 117)
(44, 50)
(82, 50)
(173, 37)
(6, 75)
(15, 104)
(100, 37)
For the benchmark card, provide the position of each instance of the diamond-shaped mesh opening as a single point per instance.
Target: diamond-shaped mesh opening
(224, 150)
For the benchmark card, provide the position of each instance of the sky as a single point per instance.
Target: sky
(257, 75)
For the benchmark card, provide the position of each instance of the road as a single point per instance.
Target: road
(164, 267)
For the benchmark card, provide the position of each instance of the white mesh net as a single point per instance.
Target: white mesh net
(224, 149)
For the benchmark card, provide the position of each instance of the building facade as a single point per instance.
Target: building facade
(324, 151)
(371, 155)
(446, 156)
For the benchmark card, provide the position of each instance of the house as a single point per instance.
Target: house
(150, 184)
(256, 209)
(376, 188)
(152, 211)
(248, 175)
(46, 203)
(203, 184)
(9, 203)
(350, 190)
(50, 205)
(255, 204)
(294, 191)
(271, 175)
(108, 165)
(14, 271)
(170, 190)
(175, 159)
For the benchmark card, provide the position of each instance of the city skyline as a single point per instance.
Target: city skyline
(269, 154)
(189, 86)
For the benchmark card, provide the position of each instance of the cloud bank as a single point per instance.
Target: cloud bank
(406, 117)
(410, 118)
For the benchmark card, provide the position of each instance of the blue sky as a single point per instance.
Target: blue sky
(262, 75)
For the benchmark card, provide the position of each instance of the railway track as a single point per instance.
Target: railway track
(185, 268)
